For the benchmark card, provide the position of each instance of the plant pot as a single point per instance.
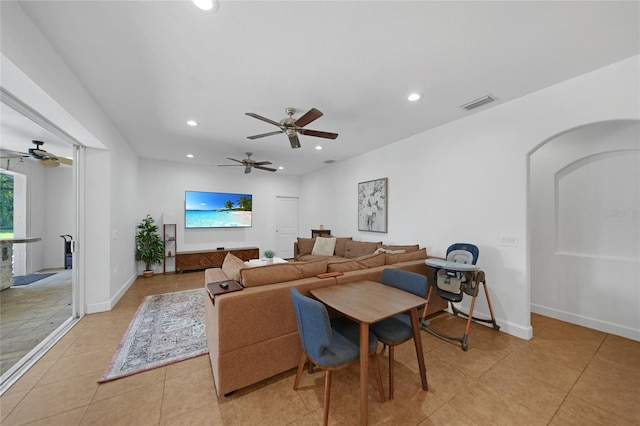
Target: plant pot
(147, 274)
(269, 260)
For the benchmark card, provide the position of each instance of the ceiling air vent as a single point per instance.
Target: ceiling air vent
(478, 102)
(329, 161)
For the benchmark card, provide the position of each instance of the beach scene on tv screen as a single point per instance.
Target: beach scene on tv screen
(217, 210)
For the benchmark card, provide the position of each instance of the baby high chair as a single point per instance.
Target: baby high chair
(454, 278)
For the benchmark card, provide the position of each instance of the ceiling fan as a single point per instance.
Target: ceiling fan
(292, 126)
(248, 164)
(46, 158)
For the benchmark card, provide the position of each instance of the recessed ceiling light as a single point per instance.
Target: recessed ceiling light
(207, 4)
(414, 97)
(318, 147)
(189, 155)
(192, 123)
(280, 168)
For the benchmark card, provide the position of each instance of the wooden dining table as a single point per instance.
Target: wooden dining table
(367, 302)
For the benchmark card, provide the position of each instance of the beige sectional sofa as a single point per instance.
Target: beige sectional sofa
(252, 334)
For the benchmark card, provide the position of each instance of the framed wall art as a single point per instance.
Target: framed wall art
(372, 205)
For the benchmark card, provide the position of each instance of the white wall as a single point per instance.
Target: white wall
(467, 181)
(162, 186)
(585, 213)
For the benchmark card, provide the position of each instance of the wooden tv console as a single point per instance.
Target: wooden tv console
(203, 259)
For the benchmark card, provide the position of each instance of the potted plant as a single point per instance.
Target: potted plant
(269, 254)
(149, 245)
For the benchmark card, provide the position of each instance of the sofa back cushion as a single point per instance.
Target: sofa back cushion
(305, 245)
(269, 274)
(312, 268)
(231, 267)
(341, 243)
(343, 266)
(355, 249)
(407, 249)
(371, 260)
(362, 262)
(390, 259)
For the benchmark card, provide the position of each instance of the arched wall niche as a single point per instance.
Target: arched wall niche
(584, 227)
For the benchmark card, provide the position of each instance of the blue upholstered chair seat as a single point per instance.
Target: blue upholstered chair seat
(394, 329)
(345, 344)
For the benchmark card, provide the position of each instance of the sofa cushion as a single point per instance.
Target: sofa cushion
(371, 261)
(407, 249)
(340, 245)
(310, 257)
(390, 259)
(312, 268)
(362, 262)
(344, 266)
(355, 249)
(231, 267)
(324, 246)
(384, 250)
(269, 274)
(305, 245)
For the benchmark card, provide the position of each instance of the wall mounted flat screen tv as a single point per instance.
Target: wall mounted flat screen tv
(217, 210)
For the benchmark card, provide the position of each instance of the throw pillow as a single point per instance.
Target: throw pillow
(231, 267)
(305, 245)
(324, 246)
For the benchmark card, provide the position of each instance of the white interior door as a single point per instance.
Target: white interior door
(286, 226)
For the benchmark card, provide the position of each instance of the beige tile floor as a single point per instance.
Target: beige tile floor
(565, 375)
(28, 314)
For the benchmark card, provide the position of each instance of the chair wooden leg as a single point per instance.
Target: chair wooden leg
(466, 330)
(303, 359)
(391, 351)
(376, 371)
(327, 397)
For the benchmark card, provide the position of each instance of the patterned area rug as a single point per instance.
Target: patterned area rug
(167, 328)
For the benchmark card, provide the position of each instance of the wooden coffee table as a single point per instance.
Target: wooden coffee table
(367, 302)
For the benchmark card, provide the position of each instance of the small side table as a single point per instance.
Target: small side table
(320, 233)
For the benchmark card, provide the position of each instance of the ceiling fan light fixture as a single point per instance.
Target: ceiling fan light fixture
(414, 97)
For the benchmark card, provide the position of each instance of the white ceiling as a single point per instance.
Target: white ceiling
(152, 65)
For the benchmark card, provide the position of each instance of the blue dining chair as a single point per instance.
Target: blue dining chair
(330, 344)
(397, 329)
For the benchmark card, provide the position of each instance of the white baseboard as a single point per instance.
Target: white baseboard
(594, 323)
(108, 305)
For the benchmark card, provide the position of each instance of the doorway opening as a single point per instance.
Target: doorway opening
(40, 203)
